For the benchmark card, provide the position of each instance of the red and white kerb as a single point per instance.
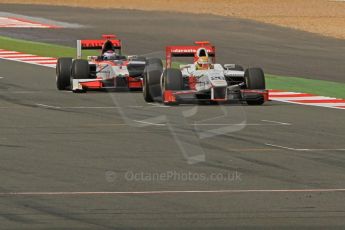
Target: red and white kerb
(11, 22)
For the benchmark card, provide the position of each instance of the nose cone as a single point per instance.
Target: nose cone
(217, 79)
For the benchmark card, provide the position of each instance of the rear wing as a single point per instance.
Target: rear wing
(189, 51)
(97, 44)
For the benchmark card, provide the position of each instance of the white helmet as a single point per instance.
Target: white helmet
(109, 55)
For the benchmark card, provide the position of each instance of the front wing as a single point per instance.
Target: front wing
(171, 96)
(99, 83)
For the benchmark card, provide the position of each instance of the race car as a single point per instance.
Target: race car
(110, 70)
(204, 80)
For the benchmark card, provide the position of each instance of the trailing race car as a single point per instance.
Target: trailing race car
(204, 80)
(109, 70)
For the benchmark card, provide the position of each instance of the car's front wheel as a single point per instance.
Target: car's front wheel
(63, 73)
(80, 70)
(151, 81)
(172, 80)
(255, 79)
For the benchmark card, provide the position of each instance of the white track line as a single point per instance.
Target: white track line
(48, 106)
(244, 124)
(301, 98)
(326, 104)
(302, 150)
(159, 105)
(277, 122)
(91, 107)
(311, 104)
(173, 192)
(149, 123)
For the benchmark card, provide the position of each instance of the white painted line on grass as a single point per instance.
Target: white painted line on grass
(282, 93)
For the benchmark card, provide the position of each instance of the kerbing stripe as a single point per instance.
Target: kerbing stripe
(28, 58)
(12, 22)
(306, 99)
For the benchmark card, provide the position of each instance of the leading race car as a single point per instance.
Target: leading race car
(202, 81)
(110, 70)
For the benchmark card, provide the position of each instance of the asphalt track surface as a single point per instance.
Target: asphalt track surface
(67, 160)
(278, 50)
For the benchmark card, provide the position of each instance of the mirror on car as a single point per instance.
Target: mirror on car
(229, 66)
(92, 58)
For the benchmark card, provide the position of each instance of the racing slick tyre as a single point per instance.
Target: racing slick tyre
(255, 79)
(80, 69)
(154, 63)
(63, 73)
(151, 81)
(171, 80)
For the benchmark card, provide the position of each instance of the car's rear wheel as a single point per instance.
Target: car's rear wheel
(151, 81)
(255, 79)
(154, 63)
(171, 80)
(63, 73)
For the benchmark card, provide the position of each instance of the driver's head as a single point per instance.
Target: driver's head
(203, 63)
(109, 55)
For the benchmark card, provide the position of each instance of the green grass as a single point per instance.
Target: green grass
(297, 84)
(41, 49)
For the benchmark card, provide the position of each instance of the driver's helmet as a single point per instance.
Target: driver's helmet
(109, 55)
(202, 63)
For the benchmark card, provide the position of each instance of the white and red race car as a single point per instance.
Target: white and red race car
(202, 81)
(110, 70)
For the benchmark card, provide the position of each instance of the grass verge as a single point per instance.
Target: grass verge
(39, 48)
(297, 84)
